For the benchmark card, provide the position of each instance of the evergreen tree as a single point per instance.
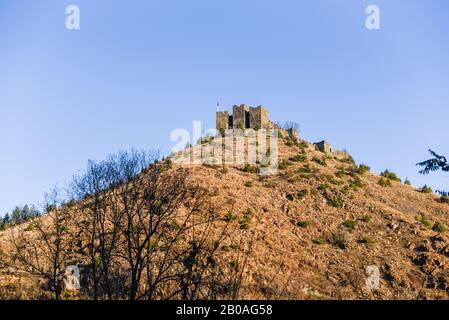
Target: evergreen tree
(436, 163)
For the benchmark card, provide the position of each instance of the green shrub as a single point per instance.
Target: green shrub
(335, 201)
(356, 183)
(284, 164)
(339, 240)
(319, 241)
(444, 199)
(303, 144)
(245, 223)
(438, 227)
(340, 173)
(248, 184)
(250, 168)
(30, 227)
(302, 193)
(366, 218)
(306, 169)
(366, 240)
(349, 160)
(426, 189)
(233, 264)
(298, 158)
(350, 224)
(234, 246)
(362, 169)
(230, 217)
(424, 221)
(390, 175)
(384, 182)
(407, 182)
(319, 161)
(303, 224)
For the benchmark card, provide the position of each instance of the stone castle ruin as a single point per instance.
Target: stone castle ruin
(247, 117)
(243, 117)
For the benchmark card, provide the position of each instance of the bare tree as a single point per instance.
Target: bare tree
(143, 229)
(99, 224)
(45, 253)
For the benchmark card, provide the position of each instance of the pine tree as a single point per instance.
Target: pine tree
(436, 163)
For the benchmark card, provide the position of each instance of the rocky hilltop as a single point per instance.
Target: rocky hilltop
(308, 232)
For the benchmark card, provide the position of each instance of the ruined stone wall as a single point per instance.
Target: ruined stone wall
(293, 134)
(323, 146)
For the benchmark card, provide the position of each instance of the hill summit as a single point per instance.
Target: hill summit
(322, 227)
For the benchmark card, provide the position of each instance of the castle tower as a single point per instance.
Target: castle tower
(258, 118)
(240, 115)
(243, 117)
(222, 120)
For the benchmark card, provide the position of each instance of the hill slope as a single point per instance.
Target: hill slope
(315, 227)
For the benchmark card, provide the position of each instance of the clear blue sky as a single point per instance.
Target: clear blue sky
(138, 69)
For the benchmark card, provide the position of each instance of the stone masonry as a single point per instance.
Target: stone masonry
(243, 117)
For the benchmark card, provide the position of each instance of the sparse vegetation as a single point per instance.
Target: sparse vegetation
(356, 183)
(349, 160)
(339, 240)
(245, 223)
(384, 182)
(234, 246)
(407, 182)
(424, 221)
(303, 224)
(319, 241)
(3, 225)
(439, 227)
(335, 201)
(443, 199)
(340, 173)
(230, 217)
(366, 240)
(249, 168)
(301, 194)
(350, 224)
(366, 218)
(248, 184)
(390, 176)
(284, 164)
(298, 158)
(426, 189)
(321, 161)
(362, 169)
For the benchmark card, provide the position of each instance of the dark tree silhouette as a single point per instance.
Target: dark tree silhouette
(46, 252)
(436, 163)
(140, 229)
